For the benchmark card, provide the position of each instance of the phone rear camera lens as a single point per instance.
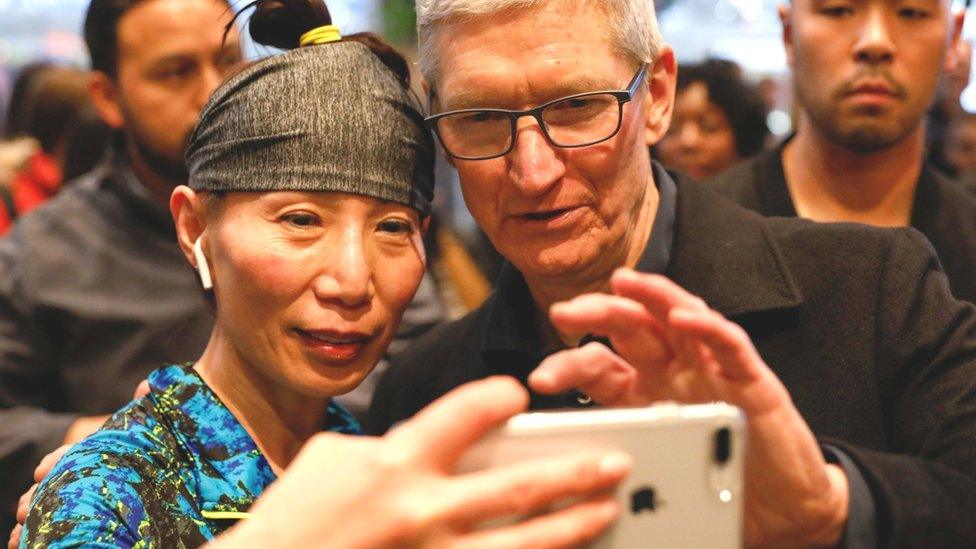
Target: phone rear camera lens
(723, 445)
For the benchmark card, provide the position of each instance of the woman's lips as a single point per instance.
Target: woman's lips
(336, 346)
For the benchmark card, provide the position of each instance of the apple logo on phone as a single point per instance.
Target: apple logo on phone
(644, 499)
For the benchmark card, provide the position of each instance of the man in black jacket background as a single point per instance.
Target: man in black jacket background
(852, 361)
(864, 75)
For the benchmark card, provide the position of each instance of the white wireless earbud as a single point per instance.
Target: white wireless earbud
(202, 267)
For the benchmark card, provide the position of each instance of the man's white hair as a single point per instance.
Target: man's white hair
(632, 24)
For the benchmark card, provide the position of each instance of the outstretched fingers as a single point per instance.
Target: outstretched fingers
(573, 526)
(727, 342)
(592, 368)
(440, 433)
(656, 293)
(530, 486)
(601, 314)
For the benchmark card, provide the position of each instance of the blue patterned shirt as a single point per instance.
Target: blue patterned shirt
(172, 469)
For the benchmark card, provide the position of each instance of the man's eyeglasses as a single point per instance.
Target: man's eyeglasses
(578, 120)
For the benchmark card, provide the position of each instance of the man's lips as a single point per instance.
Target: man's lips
(545, 215)
(334, 345)
(872, 89)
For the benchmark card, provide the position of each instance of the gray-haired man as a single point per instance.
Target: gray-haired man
(856, 369)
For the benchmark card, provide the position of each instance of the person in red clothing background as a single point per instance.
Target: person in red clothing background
(59, 133)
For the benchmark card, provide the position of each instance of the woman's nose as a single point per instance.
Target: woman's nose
(344, 273)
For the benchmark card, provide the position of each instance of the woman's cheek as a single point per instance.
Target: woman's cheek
(271, 274)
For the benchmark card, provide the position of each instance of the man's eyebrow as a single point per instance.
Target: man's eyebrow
(171, 59)
(470, 99)
(230, 49)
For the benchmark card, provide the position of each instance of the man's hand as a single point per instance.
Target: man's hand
(47, 463)
(399, 491)
(670, 346)
(82, 427)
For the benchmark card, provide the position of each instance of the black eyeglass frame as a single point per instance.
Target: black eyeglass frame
(622, 96)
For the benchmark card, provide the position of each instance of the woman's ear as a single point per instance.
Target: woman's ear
(189, 215)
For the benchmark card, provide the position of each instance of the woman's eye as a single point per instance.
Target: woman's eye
(837, 11)
(300, 219)
(913, 13)
(395, 226)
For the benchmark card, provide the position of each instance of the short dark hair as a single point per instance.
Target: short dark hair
(101, 32)
(739, 100)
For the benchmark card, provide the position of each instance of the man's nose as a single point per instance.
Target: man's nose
(210, 78)
(874, 44)
(344, 274)
(535, 164)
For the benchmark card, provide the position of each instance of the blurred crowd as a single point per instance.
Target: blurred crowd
(52, 134)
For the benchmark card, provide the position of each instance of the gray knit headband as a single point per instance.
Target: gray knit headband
(318, 118)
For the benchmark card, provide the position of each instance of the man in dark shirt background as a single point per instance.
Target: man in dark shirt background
(864, 75)
(94, 292)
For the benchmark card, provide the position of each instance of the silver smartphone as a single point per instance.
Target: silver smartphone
(685, 489)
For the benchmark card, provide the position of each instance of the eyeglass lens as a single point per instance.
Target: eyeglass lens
(574, 121)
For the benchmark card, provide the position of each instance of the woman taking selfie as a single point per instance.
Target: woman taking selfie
(310, 182)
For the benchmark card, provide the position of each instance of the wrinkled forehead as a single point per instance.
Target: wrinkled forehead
(523, 39)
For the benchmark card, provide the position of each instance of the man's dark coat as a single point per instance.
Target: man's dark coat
(857, 322)
(943, 210)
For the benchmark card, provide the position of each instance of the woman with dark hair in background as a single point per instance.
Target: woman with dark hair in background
(310, 183)
(719, 119)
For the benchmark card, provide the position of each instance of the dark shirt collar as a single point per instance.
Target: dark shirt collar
(773, 193)
(775, 200)
(511, 323)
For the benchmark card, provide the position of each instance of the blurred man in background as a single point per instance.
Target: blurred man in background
(864, 75)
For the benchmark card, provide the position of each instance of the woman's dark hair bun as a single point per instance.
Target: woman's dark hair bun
(281, 24)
